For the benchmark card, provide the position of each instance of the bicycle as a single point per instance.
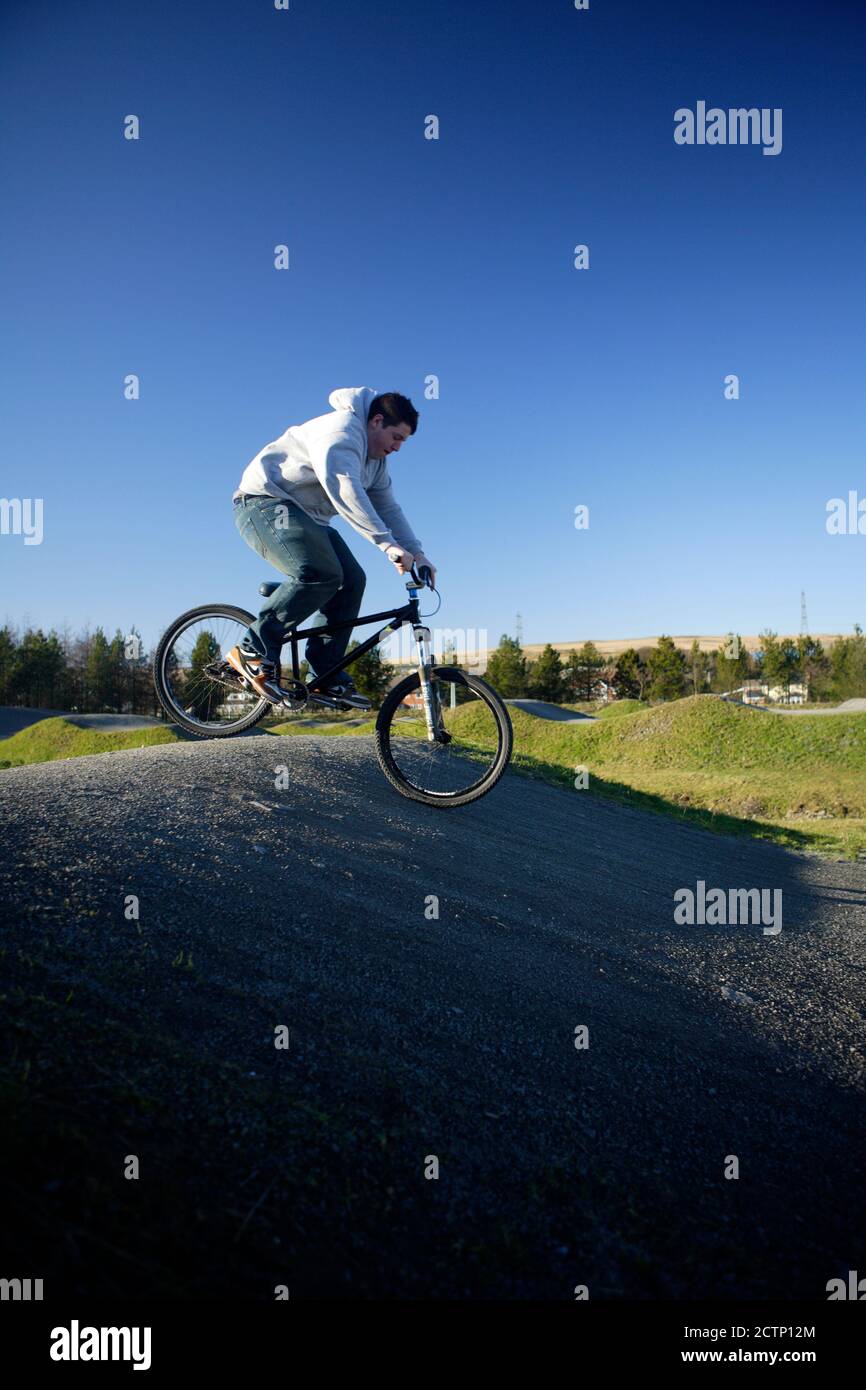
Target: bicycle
(454, 755)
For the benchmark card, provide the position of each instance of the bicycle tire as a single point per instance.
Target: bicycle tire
(392, 702)
(220, 610)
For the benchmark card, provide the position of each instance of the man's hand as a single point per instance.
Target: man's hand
(399, 557)
(421, 559)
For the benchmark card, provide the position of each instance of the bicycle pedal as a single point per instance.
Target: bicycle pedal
(326, 700)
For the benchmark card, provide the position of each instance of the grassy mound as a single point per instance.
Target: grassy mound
(50, 739)
(616, 708)
(606, 709)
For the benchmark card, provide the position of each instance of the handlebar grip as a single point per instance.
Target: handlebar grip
(424, 575)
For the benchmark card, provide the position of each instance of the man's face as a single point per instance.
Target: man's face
(385, 439)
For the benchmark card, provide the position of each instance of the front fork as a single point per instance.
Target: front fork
(432, 710)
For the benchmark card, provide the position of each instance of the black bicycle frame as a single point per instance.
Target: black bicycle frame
(407, 614)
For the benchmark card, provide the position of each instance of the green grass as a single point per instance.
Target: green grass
(50, 739)
(616, 708)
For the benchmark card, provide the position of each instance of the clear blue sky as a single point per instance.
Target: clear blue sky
(412, 257)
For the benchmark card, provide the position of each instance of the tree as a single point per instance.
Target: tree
(116, 657)
(8, 661)
(814, 667)
(545, 678)
(730, 665)
(38, 668)
(98, 673)
(371, 674)
(699, 665)
(571, 676)
(779, 658)
(630, 676)
(201, 695)
(643, 671)
(506, 668)
(667, 665)
(848, 666)
(69, 679)
(584, 668)
(77, 656)
(136, 660)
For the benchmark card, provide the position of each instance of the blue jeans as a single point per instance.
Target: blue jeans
(324, 579)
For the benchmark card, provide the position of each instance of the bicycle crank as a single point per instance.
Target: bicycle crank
(296, 695)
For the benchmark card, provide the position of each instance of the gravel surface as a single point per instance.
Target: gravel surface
(413, 1037)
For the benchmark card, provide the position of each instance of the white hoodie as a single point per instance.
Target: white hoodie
(323, 466)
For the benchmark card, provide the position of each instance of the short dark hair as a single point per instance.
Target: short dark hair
(397, 410)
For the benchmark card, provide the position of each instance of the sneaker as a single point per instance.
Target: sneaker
(260, 675)
(341, 687)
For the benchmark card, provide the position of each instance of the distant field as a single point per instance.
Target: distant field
(615, 646)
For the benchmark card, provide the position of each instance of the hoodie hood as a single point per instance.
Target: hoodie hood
(354, 398)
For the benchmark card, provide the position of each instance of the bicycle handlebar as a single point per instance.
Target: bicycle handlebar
(423, 576)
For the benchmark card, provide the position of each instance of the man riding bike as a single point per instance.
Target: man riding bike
(334, 464)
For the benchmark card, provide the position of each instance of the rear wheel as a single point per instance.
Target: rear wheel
(474, 744)
(195, 684)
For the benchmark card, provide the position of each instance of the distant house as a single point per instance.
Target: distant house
(794, 694)
(751, 693)
(760, 693)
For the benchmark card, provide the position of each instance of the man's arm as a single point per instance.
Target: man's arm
(381, 494)
(337, 467)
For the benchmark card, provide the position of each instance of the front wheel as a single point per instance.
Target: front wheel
(473, 744)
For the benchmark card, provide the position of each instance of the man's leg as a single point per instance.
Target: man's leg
(344, 606)
(298, 547)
